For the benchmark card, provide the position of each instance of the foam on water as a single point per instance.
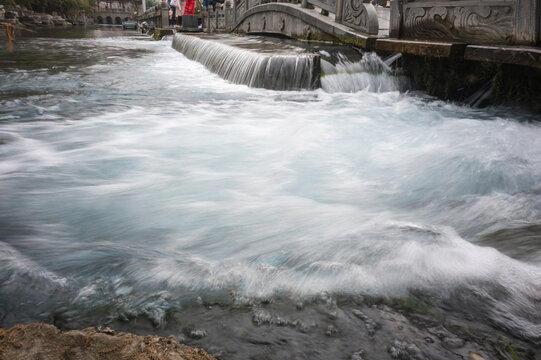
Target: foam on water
(370, 74)
(154, 184)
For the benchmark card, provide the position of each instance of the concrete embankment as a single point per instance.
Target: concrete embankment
(42, 341)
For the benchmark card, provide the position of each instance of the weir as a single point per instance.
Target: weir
(450, 49)
(263, 63)
(252, 62)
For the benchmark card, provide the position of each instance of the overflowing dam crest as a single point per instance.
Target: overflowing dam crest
(260, 63)
(269, 68)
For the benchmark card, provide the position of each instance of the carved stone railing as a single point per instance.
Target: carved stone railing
(353, 13)
(157, 15)
(514, 22)
(327, 5)
(357, 14)
(360, 16)
(219, 20)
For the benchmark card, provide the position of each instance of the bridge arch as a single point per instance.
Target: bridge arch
(109, 20)
(292, 21)
(118, 20)
(99, 20)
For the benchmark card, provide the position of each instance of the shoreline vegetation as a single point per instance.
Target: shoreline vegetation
(50, 6)
(45, 341)
(49, 13)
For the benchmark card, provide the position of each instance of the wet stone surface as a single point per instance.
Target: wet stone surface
(324, 329)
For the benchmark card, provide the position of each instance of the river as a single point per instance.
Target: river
(141, 191)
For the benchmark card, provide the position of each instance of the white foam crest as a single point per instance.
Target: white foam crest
(370, 74)
(391, 266)
(16, 270)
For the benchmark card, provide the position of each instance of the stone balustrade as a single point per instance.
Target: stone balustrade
(505, 22)
(156, 16)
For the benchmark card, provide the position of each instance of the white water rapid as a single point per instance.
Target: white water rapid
(135, 182)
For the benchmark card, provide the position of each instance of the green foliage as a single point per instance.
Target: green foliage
(8, 2)
(48, 6)
(151, 3)
(515, 357)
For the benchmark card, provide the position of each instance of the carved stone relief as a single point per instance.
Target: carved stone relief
(485, 24)
(329, 5)
(360, 16)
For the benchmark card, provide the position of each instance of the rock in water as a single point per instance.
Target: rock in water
(25, 341)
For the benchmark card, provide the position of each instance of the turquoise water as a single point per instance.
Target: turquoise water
(134, 181)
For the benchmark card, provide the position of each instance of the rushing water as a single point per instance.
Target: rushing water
(135, 183)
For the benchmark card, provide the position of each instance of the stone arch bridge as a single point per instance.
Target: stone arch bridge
(111, 16)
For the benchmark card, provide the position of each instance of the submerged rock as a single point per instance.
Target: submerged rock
(25, 341)
(371, 325)
(404, 351)
(196, 333)
(331, 330)
(358, 355)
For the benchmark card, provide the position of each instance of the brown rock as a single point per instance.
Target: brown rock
(474, 356)
(42, 341)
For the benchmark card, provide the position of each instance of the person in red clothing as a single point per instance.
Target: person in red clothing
(189, 9)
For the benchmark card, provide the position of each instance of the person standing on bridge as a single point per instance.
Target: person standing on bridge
(173, 5)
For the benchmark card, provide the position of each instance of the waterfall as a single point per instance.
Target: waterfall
(262, 69)
(371, 73)
(262, 63)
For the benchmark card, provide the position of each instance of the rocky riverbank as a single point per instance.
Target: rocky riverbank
(21, 16)
(44, 341)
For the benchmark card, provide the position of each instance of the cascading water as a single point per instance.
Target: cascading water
(275, 68)
(141, 191)
(265, 64)
(369, 73)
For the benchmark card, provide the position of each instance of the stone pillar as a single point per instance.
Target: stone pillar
(164, 18)
(228, 24)
(305, 4)
(235, 2)
(527, 22)
(338, 15)
(396, 19)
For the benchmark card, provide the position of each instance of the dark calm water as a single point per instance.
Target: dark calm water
(137, 188)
